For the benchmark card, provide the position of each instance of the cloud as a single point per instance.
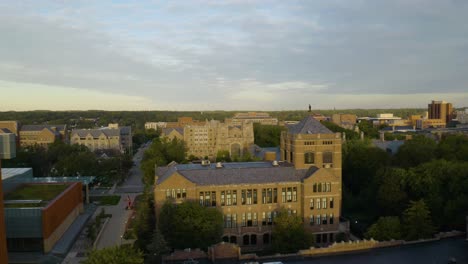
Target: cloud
(198, 54)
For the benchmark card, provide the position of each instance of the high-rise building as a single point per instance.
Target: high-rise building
(440, 110)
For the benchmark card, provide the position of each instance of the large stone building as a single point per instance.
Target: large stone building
(42, 135)
(249, 194)
(181, 122)
(107, 138)
(212, 136)
(253, 117)
(347, 121)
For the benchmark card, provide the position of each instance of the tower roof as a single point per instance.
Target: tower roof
(309, 125)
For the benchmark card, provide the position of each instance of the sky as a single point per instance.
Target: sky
(232, 54)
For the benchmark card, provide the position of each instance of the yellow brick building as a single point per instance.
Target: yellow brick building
(249, 194)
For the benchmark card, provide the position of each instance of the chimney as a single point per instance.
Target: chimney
(275, 163)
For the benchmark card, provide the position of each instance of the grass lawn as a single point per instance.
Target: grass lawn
(109, 200)
(44, 192)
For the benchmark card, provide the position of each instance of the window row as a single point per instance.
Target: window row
(248, 239)
(248, 196)
(321, 219)
(321, 203)
(208, 198)
(251, 219)
(176, 193)
(322, 187)
(309, 157)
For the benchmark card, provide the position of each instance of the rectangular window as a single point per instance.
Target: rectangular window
(249, 219)
(319, 187)
(168, 193)
(311, 220)
(317, 220)
(202, 199)
(179, 194)
(269, 195)
(324, 203)
(207, 199)
(269, 219)
(311, 204)
(323, 187)
(289, 195)
(255, 196)
(255, 221)
(243, 198)
(243, 219)
(213, 198)
(264, 220)
(234, 197)
(173, 195)
(331, 219)
(294, 194)
(234, 220)
(324, 219)
(249, 196)
(228, 197)
(315, 187)
(184, 193)
(228, 221)
(331, 203)
(328, 187)
(222, 198)
(275, 195)
(264, 196)
(283, 195)
(318, 203)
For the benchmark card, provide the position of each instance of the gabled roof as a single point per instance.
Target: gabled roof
(41, 127)
(308, 125)
(236, 173)
(5, 130)
(95, 133)
(167, 131)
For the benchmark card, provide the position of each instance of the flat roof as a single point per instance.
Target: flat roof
(12, 172)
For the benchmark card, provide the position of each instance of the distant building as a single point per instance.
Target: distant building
(208, 138)
(11, 126)
(42, 135)
(155, 125)
(111, 137)
(380, 119)
(441, 110)
(462, 116)
(347, 121)
(254, 117)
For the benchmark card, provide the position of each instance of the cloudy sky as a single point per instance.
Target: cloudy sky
(232, 55)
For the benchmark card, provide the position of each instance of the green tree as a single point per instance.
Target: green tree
(289, 234)
(267, 135)
(144, 221)
(160, 153)
(190, 225)
(386, 228)
(157, 248)
(417, 221)
(115, 255)
(453, 147)
(416, 151)
(391, 196)
(223, 156)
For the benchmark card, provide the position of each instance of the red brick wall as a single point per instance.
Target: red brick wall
(59, 208)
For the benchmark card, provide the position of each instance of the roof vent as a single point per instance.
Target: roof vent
(275, 163)
(205, 163)
(219, 165)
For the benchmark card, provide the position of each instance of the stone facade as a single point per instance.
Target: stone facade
(347, 121)
(42, 135)
(213, 136)
(249, 194)
(440, 110)
(112, 137)
(252, 117)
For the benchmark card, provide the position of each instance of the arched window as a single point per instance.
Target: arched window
(233, 239)
(309, 158)
(253, 239)
(266, 239)
(328, 157)
(225, 238)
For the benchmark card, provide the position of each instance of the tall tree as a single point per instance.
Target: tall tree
(391, 196)
(417, 221)
(190, 225)
(416, 151)
(157, 248)
(289, 234)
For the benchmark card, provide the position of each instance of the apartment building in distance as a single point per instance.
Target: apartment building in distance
(440, 110)
(207, 138)
(181, 122)
(253, 117)
(306, 183)
(107, 138)
(42, 135)
(347, 121)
